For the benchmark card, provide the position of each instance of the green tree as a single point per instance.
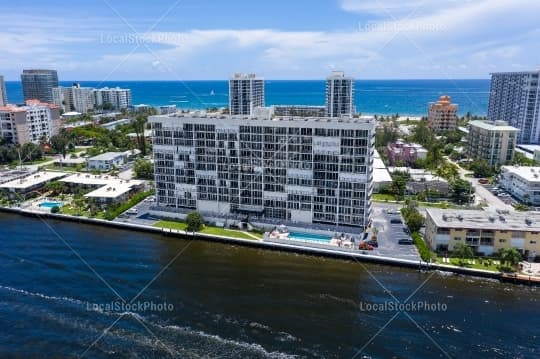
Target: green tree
(55, 209)
(60, 144)
(510, 256)
(481, 168)
(399, 183)
(194, 221)
(30, 152)
(143, 169)
(422, 134)
(463, 251)
(56, 187)
(461, 191)
(447, 170)
(414, 220)
(434, 156)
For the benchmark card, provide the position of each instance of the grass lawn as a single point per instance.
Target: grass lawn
(383, 197)
(476, 265)
(69, 210)
(225, 232)
(181, 226)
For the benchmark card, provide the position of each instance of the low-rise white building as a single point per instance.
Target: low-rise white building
(522, 182)
(107, 161)
(106, 189)
(32, 182)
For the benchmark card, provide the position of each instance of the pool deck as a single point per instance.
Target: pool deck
(321, 250)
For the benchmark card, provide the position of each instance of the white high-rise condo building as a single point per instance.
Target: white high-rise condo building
(112, 98)
(515, 98)
(29, 123)
(291, 170)
(246, 92)
(3, 93)
(339, 95)
(75, 98)
(38, 84)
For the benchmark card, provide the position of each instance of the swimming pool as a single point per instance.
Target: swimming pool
(50, 204)
(301, 236)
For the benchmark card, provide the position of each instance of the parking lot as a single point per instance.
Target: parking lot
(500, 193)
(390, 233)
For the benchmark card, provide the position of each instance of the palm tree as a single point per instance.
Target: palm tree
(510, 256)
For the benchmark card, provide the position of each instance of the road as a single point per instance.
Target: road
(482, 194)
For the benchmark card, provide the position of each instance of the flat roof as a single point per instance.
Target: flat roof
(113, 190)
(107, 156)
(491, 220)
(97, 180)
(285, 121)
(530, 174)
(33, 180)
(492, 126)
(529, 148)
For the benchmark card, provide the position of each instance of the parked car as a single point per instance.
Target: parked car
(405, 241)
(396, 220)
(483, 181)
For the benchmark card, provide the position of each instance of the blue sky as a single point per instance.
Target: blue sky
(278, 39)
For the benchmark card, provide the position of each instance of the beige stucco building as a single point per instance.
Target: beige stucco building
(442, 115)
(485, 231)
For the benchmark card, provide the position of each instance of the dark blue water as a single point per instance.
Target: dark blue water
(406, 97)
(234, 302)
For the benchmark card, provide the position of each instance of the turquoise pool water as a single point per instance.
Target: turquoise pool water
(309, 237)
(50, 204)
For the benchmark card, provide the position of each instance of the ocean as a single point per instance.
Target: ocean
(384, 97)
(60, 283)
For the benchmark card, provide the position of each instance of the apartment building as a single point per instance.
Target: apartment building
(246, 92)
(291, 170)
(107, 161)
(114, 99)
(515, 97)
(493, 142)
(29, 123)
(522, 182)
(75, 98)
(485, 231)
(38, 84)
(442, 115)
(339, 95)
(3, 92)
(407, 153)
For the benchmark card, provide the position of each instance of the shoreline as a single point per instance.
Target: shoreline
(292, 248)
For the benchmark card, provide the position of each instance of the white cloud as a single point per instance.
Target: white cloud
(468, 39)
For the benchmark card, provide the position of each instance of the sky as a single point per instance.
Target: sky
(278, 39)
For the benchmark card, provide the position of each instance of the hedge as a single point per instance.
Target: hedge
(421, 245)
(115, 211)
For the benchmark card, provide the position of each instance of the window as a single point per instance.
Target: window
(502, 240)
(457, 238)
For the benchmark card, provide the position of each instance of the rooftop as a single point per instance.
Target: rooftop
(107, 156)
(495, 220)
(33, 180)
(530, 174)
(113, 190)
(493, 125)
(275, 119)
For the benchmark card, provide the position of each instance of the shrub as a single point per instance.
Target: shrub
(55, 209)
